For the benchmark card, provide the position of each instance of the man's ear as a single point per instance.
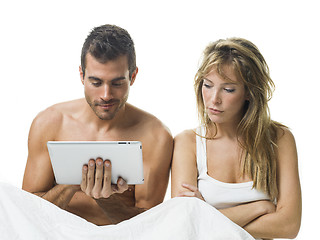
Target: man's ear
(133, 76)
(81, 74)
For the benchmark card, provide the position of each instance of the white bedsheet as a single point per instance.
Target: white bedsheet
(26, 216)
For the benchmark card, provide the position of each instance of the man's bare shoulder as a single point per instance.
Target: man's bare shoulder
(69, 107)
(148, 122)
(53, 116)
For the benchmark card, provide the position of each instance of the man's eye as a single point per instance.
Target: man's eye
(96, 84)
(117, 84)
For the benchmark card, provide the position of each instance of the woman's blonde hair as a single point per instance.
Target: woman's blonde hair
(257, 133)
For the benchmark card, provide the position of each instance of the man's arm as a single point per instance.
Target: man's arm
(38, 175)
(157, 161)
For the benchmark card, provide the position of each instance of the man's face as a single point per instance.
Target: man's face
(106, 85)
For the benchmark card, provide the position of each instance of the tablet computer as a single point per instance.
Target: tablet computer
(68, 157)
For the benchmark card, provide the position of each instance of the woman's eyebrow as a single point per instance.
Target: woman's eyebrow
(230, 83)
(225, 83)
(205, 79)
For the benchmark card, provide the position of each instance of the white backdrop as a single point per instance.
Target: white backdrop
(40, 47)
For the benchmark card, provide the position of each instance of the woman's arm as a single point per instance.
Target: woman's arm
(285, 221)
(248, 212)
(184, 164)
(241, 214)
(184, 181)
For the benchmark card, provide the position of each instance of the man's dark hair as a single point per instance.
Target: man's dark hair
(108, 42)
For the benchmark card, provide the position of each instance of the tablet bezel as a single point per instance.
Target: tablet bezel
(68, 157)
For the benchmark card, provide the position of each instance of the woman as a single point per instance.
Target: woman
(239, 160)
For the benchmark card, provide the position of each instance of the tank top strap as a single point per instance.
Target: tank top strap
(201, 150)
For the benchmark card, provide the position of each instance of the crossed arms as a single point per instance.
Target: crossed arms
(262, 219)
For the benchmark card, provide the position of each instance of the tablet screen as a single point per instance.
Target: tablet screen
(68, 158)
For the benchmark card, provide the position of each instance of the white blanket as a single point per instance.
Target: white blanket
(26, 216)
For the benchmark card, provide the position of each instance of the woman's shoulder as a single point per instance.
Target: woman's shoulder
(186, 137)
(286, 145)
(185, 146)
(284, 134)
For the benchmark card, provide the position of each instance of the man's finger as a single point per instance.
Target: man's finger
(122, 185)
(106, 190)
(90, 176)
(96, 191)
(83, 184)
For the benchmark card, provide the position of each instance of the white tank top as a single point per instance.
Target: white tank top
(220, 194)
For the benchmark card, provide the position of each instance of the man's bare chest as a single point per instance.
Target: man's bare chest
(78, 131)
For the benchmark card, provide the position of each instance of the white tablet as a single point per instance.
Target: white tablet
(68, 158)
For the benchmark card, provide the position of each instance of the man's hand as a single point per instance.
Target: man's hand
(96, 180)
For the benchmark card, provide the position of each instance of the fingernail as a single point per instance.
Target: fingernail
(91, 164)
(107, 164)
(99, 163)
(121, 182)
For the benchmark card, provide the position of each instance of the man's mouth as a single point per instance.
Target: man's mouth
(106, 105)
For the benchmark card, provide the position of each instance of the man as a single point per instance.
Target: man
(108, 70)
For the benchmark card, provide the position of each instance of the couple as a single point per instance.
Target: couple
(239, 160)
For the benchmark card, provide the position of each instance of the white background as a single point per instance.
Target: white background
(40, 46)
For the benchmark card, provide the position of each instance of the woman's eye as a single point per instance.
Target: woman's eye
(206, 85)
(229, 90)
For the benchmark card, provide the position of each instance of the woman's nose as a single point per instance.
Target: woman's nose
(216, 99)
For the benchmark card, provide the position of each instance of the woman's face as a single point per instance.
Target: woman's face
(224, 99)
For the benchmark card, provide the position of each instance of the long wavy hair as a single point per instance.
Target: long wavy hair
(257, 133)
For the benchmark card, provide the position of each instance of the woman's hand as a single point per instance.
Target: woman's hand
(193, 191)
(267, 206)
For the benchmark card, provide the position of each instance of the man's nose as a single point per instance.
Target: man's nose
(107, 92)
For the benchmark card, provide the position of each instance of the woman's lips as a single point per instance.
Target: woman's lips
(215, 111)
